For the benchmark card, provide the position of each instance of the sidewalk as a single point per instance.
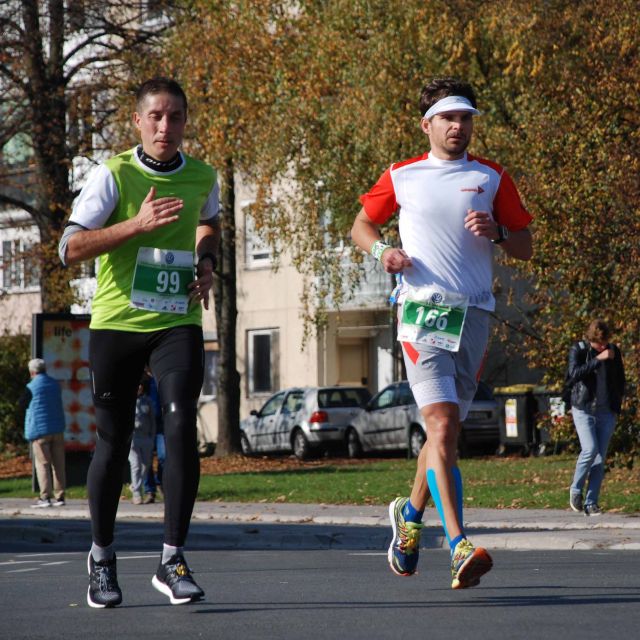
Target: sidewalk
(514, 529)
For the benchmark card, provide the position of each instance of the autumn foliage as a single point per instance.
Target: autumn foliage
(325, 94)
(309, 101)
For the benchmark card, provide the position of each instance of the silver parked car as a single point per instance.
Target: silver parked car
(302, 420)
(391, 421)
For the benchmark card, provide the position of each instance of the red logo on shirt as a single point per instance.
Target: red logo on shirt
(477, 189)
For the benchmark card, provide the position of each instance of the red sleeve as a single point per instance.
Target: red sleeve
(507, 206)
(380, 202)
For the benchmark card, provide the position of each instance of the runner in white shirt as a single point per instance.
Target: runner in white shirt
(453, 208)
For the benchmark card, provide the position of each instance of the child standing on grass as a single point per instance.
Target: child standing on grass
(144, 434)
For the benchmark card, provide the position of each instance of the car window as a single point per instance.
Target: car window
(272, 405)
(293, 402)
(355, 397)
(404, 395)
(383, 399)
(328, 398)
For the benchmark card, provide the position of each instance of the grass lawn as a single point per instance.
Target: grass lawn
(490, 482)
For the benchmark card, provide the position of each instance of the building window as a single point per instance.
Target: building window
(20, 269)
(257, 251)
(262, 361)
(88, 269)
(81, 121)
(210, 384)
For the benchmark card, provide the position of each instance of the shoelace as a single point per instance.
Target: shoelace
(180, 570)
(410, 536)
(462, 551)
(106, 580)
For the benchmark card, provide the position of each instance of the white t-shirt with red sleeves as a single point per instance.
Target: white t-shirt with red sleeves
(433, 197)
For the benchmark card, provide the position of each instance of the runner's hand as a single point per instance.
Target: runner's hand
(481, 224)
(199, 288)
(157, 213)
(395, 260)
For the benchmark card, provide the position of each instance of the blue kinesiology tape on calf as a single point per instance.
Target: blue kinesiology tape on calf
(457, 479)
(435, 494)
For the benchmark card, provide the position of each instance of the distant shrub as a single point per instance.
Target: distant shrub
(15, 352)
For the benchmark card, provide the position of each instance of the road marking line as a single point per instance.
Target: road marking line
(23, 570)
(39, 555)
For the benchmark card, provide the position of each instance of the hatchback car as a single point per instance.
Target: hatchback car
(302, 420)
(391, 421)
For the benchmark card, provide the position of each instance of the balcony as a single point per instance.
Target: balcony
(373, 289)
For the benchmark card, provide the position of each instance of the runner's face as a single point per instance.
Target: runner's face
(161, 121)
(449, 133)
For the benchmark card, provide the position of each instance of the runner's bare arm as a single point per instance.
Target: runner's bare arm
(518, 245)
(365, 233)
(90, 243)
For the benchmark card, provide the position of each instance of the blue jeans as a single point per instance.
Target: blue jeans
(153, 480)
(594, 431)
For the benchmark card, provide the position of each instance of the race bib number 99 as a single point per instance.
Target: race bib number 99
(161, 279)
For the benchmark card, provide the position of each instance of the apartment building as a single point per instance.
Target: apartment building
(355, 346)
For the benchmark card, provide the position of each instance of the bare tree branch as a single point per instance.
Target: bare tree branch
(18, 203)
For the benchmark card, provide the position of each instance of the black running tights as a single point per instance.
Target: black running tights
(118, 358)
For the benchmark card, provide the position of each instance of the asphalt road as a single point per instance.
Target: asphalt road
(269, 589)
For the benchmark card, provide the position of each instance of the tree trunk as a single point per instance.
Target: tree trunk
(228, 383)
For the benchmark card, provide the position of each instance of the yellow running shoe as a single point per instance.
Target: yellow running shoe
(468, 565)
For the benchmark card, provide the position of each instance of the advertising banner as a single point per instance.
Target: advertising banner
(62, 341)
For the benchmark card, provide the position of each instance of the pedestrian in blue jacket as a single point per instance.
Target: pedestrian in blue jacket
(44, 426)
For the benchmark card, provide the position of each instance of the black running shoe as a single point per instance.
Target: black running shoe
(173, 578)
(103, 584)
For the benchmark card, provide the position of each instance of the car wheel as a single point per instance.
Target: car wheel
(301, 448)
(416, 441)
(354, 447)
(244, 445)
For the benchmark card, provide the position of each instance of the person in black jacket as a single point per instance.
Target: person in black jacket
(596, 377)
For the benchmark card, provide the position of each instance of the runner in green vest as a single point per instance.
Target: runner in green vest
(151, 216)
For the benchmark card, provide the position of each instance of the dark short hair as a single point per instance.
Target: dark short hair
(598, 331)
(440, 88)
(160, 84)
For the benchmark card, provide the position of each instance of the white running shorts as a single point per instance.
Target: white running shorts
(438, 375)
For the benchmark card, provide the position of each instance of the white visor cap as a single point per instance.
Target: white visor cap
(451, 103)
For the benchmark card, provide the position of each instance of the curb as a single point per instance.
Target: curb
(343, 526)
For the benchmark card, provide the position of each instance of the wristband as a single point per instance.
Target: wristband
(503, 234)
(378, 249)
(212, 257)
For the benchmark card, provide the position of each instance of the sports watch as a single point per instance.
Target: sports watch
(503, 234)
